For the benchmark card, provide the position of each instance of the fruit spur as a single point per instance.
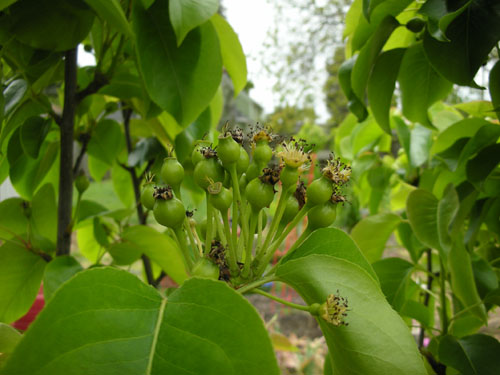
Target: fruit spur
(241, 176)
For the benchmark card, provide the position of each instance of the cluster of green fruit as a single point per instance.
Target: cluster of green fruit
(238, 240)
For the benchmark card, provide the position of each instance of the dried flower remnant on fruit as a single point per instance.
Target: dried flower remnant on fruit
(271, 175)
(208, 152)
(337, 196)
(163, 192)
(337, 171)
(293, 153)
(218, 256)
(215, 187)
(334, 310)
(237, 135)
(300, 193)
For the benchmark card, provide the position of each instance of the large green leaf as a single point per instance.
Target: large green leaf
(9, 337)
(483, 163)
(233, 57)
(44, 213)
(59, 270)
(394, 275)
(21, 273)
(185, 15)
(338, 244)
(372, 233)
(376, 341)
(111, 11)
(182, 80)
(51, 24)
(381, 85)
(355, 105)
(462, 129)
(123, 185)
(439, 16)
(471, 355)
(494, 86)
(421, 208)
(368, 54)
(13, 94)
(161, 248)
(420, 144)
(420, 85)
(471, 36)
(106, 142)
(111, 323)
(13, 218)
(33, 133)
(5, 3)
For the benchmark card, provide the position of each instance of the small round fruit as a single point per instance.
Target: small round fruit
(289, 176)
(223, 200)
(206, 268)
(82, 183)
(196, 155)
(291, 209)
(253, 171)
(228, 150)
(259, 194)
(208, 171)
(147, 198)
(169, 213)
(262, 153)
(172, 172)
(319, 192)
(243, 162)
(322, 216)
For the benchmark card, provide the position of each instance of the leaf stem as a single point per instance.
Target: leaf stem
(256, 284)
(282, 301)
(444, 314)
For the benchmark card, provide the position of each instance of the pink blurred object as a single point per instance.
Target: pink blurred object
(24, 322)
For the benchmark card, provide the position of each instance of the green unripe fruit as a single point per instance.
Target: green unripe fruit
(208, 171)
(253, 171)
(320, 191)
(228, 150)
(206, 268)
(415, 25)
(243, 183)
(196, 155)
(82, 183)
(147, 198)
(263, 153)
(169, 213)
(322, 216)
(243, 162)
(289, 177)
(172, 172)
(259, 194)
(291, 209)
(222, 201)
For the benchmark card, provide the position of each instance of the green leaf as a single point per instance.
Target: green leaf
(381, 85)
(145, 333)
(57, 272)
(355, 105)
(485, 136)
(124, 253)
(333, 242)
(123, 86)
(494, 86)
(146, 149)
(440, 16)
(5, 3)
(485, 277)
(420, 85)
(377, 340)
(368, 54)
(472, 35)
(44, 212)
(421, 208)
(372, 233)
(420, 144)
(33, 133)
(232, 53)
(13, 95)
(9, 337)
(410, 241)
(88, 245)
(160, 248)
(185, 15)
(181, 80)
(111, 12)
(369, 6)
(13, 220)
(97, 168)
(462, 129)
(476, 354)
(394, 274)
(476, 108)
(106, 142)
(56, 25)
(483, 163)
(446, 211)
(20, 276)
(122, 184)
